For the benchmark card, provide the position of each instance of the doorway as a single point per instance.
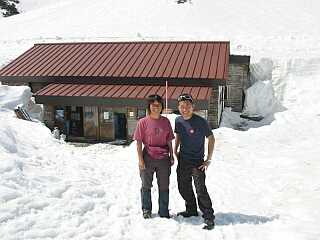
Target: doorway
(75, 121)
(120, 125)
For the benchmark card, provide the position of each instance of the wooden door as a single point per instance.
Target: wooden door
(106, 128)
(91, 122)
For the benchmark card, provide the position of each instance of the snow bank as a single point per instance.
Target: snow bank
(259, 99)
(12, 96)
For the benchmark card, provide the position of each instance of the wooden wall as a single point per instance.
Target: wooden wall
(236, 84)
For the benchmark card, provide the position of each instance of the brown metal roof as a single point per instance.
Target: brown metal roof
(192, 60)
(121, 91)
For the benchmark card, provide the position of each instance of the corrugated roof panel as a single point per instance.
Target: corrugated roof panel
(187, 90)
(91, 90)
(144, 92)
(73, 90)
(162, 68)
(139, 60)
(66, 60)
(132, 60)
(113, 90)
(193, 61)
(136, 91)
(124, 59)
(172, 60)
(152, 61)
(155, 90)
(87, 60)
(146, 60)
(35, 60)
(179, 61)
(207, 61)
(221, 62)
(77, 59)
(104, 91)
(121, 91)
(161, 91)
(80, 60)
(19, 61)
(96, 91)
(160, 59)
(49, 62)
(177, 92)
(46, 89)
(70, 90)
(170, 91)
(64, 90)
(45, 62)
(127, 92)
(194, 92)
(214, 61)
(186, 60)
(18, 65)
(203, 92)
(96, 65)
(200, 60)
(60, 60)
(116, 61)
(64, 71)
(56, 90)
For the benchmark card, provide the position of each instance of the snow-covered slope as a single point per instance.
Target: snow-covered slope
(31, 5)
(264, 181)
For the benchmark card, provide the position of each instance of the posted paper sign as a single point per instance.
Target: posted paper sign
(106, 115)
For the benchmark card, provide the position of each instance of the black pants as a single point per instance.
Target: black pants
(184, 177)
(162, 168)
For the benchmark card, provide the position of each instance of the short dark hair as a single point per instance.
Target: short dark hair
(151, 99)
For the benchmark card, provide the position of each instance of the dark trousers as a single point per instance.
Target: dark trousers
(162, 169)
(184, 177)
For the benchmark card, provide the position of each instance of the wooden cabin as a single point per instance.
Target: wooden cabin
(96, 91)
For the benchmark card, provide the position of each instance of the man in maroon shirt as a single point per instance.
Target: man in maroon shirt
(155, 133)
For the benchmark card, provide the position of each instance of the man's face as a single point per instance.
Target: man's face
(185, 108)
(155, 107)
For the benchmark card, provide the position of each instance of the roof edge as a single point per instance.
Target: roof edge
(182, 41)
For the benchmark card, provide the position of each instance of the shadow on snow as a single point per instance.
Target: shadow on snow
(223, 219)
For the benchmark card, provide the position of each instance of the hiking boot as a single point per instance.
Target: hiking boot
(146, 214)
(209, 224)
(164, 215)
(187, 214)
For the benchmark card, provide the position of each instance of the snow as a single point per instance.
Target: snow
(260, 99)
(264, 181)
(17, 95)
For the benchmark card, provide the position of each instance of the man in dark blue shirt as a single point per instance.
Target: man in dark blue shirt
(191, 131)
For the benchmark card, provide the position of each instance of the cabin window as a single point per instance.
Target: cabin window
(59, 114)
(107, 115)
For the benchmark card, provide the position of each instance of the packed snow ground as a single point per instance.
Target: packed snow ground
(264, 181)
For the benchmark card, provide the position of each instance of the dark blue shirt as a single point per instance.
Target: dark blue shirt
(192, 133)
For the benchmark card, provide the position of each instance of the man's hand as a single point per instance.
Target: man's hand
(205, 165)
(141, 164)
